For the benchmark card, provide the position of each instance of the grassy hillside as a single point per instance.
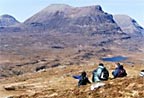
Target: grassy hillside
(58, 83)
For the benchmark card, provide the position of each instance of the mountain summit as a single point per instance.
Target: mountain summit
(7, 20)
(63, 18)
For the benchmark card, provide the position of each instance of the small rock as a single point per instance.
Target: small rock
(40, 68)
(9, 88)
(52, 95)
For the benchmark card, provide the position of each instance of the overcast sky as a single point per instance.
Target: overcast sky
(23, 9)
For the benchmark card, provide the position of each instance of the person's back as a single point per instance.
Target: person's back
(119, 71)
(83, 79)
(101, 73)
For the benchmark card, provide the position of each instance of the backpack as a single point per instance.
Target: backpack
(104, 74)
(122, 73)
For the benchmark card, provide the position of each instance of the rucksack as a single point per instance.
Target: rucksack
(122, 73)
(104, 74)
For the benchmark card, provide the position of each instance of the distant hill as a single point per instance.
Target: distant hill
(128, 25)
(9, 24)
(7, 20)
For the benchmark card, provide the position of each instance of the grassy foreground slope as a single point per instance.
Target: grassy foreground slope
(58, 83)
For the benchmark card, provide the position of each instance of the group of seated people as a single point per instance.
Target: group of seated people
(101, 74)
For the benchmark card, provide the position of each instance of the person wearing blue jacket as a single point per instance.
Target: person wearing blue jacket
(119, 71)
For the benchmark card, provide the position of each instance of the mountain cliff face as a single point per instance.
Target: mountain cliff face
(63, 18)
(7, 20)
(128, 25)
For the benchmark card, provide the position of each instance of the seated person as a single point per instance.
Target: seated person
(119, 71)
(83, 80)
(101, 73)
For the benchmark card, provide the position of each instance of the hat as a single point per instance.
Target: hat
(83, 74)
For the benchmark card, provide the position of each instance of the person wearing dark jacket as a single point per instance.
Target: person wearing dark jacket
(83, 79)
(119, 71)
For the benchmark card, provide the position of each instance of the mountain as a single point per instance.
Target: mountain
(128, 25)
(7, 20)
(64, 35)
(88, 20)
